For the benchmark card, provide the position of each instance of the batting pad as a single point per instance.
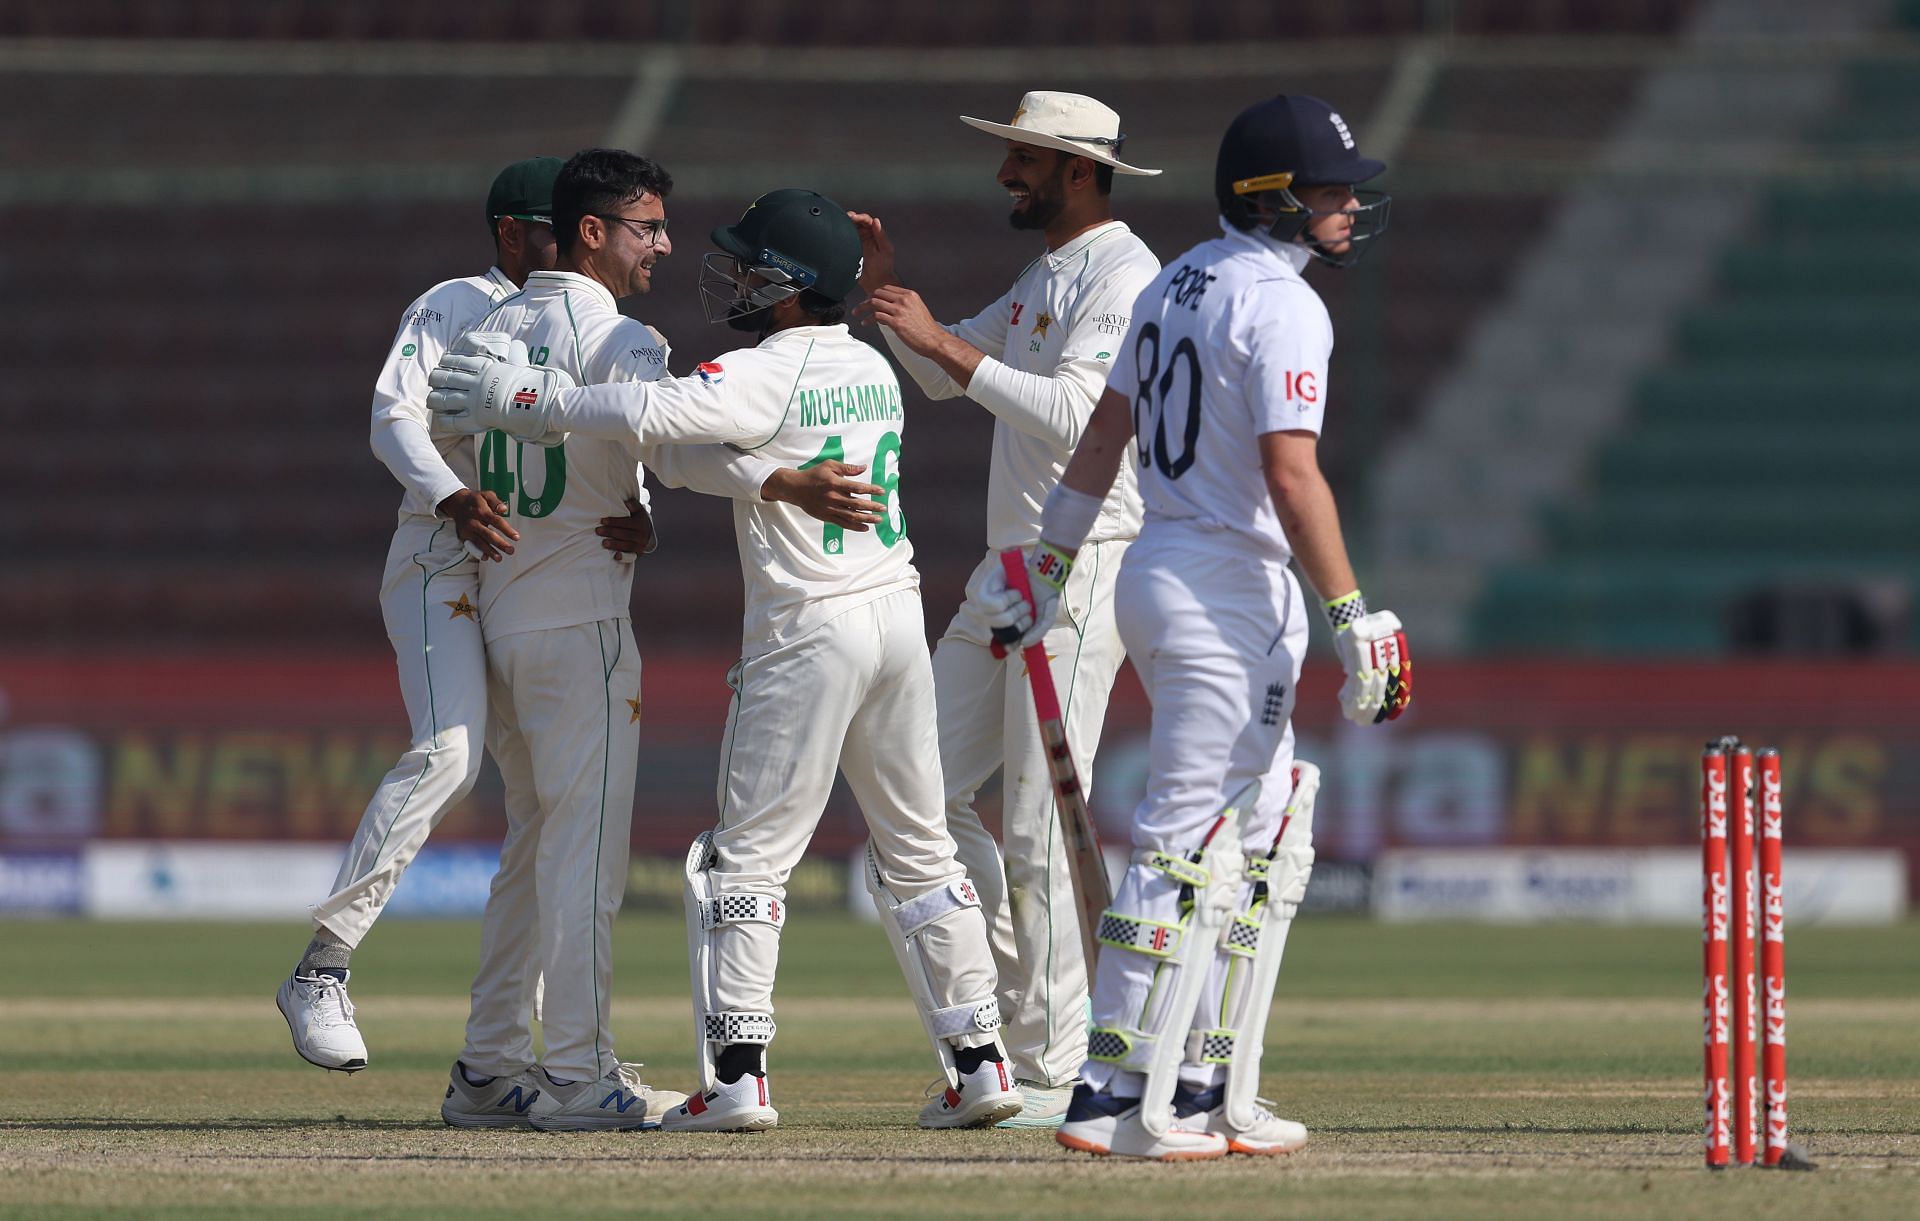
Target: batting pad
(932, 963)
(722, 930)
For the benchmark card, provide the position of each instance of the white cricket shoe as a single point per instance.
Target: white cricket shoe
(983, 1098)
(739, 1107)
(617, 1102)
(1041, 1106)
(320, 1017)
(503, 1102)
(1100, 1124)
(1206, 1111)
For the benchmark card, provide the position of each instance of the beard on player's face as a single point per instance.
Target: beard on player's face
(1046, 198)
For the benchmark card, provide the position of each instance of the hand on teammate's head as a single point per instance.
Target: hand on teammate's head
(876, 251)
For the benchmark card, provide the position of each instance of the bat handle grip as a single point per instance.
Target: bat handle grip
(1013, 561)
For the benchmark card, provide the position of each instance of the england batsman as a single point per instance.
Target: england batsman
(1217, 400)
(834, 668)
(1037, 359)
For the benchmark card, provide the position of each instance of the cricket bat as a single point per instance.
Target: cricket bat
(1086, 868)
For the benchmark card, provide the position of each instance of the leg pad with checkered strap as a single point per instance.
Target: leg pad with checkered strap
(1252, 949)
(933, 965)
(1178, 941)
(716, 927)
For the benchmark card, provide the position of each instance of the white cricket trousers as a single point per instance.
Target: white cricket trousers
(426, 597)
(856, 692)
(1217, 635)
(987, 724)
(566, 729)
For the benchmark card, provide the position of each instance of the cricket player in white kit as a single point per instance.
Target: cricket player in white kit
(1219, 397)
(834, 666)
(1037, 358)
(428, 600)
(565, 672)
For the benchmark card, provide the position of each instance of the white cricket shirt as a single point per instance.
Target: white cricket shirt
(804, 395)
(1049, 342)
(431, 463)
(1228, 343)
(559, 574)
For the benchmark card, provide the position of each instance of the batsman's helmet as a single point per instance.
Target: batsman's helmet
(1288, 141)
(787, 242)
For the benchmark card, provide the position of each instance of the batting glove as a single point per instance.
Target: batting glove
(485, 382)
(1373, 651)
(1018, 623)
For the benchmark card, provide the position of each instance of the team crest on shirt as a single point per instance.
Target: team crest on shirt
(1041, 323)
(463, 608)
(710, 372)
(633, 704)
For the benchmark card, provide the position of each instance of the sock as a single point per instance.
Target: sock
(969, 1059)
(473, 1078)
(738, 1059)
(325, 951)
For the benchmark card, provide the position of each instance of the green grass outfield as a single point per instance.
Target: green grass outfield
(1443, 1070)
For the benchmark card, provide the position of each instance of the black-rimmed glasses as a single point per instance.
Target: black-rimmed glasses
(648, 231)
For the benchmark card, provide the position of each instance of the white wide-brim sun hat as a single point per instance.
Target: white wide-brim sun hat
(1070, 122)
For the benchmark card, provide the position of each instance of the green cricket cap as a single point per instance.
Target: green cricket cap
(524, 190)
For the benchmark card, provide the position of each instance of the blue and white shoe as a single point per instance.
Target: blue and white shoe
(617, 1102)
(1106, 1126)
(320, 1018)
(503, 1102)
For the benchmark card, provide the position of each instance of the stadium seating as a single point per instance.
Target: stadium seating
(1774, 450)
(204, 479)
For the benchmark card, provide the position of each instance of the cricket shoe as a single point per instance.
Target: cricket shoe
(739, 1106)
(1041, 1106)
(1100, 1124)
(617, 1102)
(503, 1102)
(983, 1098)
(1206, 1111)
(320, 1017)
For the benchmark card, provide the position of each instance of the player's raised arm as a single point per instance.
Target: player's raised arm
(475, 393)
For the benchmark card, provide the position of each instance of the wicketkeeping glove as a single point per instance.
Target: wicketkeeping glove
(1373, 650)
(1017, 623)
(485, 382)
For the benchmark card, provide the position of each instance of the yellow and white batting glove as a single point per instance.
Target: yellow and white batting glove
(1373, 651)
(1017, 623)
(485, 381)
